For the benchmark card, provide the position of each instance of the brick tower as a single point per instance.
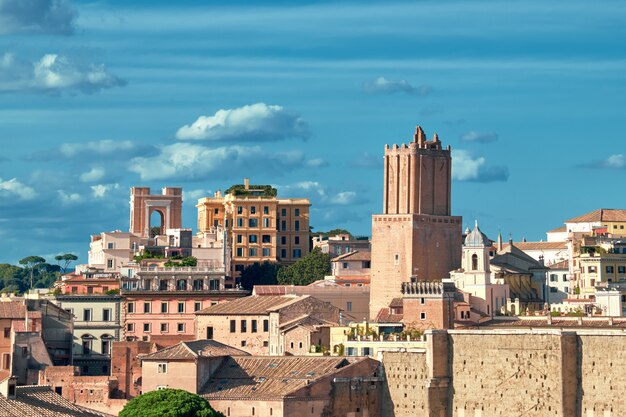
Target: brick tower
(142, 204)
(416, 238)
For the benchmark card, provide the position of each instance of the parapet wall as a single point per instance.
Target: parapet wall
(530, 373)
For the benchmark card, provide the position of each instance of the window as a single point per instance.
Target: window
(396, 259)
(564, 277)
(239, 209)
(474, 262)
(266, 210)
(163, 307)
(162, 368)
(181, 307)
(366, 264)
(87, 314)
(422, 300)
(163, 327)
(86, 346)
(109, 263)
(239, 251)
(74, 290)
(131, 307)
(254, 326)
(297, 225)
(180, 327)
(621, 269)
(296, 212)
(181, 285)
(197, 306)
(297, 253)
(244, 326)
(106, 347)
(106, 314)
(239, 267)
(252, 252)
(216, 211)
(553, 289)
(253, 222)
(344, 265)
(266, 239)
(146, 327)
(233, 326)
(422, 316)
(283, 240)
(553, 277)
(239, 222)
(89, 290)
(7, 332)
(110, 245)
(283, 253)
(266, 252)
(209, 333)
(130, 327)
(283, 225)
(253, 238)
(239, 238)
(146, 307)
(266, 222)
(609, 269)
(243, 343)
(592, 269)
(349, 306)
(266, 325)
(197, 284)
(296, 240)
(253, 210)
(565, 290)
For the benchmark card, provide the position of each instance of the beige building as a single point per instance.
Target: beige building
(600, 268)
(415, 238)
(259, 226)
(262, 325)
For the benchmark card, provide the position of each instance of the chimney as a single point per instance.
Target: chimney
(246, 183)
(7, 388)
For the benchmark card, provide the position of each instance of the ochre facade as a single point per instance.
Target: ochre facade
(415, 238)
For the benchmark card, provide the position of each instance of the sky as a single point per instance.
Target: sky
(100, 96)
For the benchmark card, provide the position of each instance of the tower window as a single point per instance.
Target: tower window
(474, 262)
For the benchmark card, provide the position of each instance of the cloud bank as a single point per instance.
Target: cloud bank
(252, 123)
(465, 167)
(37, 16)
(479, 137)
(382, 85)
(615, 161)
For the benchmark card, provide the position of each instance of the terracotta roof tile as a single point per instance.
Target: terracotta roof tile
(269, 377)
(537, 245)
(558, 230)
(254, 304)
(12, 310)
(41, 401)
(193, 349)
(560, 265)
(601, 215)
(357, 255)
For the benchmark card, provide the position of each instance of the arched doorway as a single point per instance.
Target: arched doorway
(156, 223)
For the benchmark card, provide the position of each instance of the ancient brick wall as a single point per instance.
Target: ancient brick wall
(405, 393)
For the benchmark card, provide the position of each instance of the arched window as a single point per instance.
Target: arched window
(474, 262)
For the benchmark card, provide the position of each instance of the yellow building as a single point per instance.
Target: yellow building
(260, 226)
(597, 268)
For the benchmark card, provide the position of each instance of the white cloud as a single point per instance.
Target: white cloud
(104, 147)
(320, 194)
(68, 198)
(253, 123)
(191, 161)
(344, 198)
(465, 167)
(53, 74)
(95, 174)
(36, 16)
(382, 85)
(316, 163)
(480, 137)
(14, 188)
(616, 161)
(192, 196)
(101, 190)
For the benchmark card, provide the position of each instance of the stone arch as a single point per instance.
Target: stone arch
(162, 217)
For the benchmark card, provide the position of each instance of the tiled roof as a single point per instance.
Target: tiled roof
(538, 245)
(385, 316)
(357, 255)
(272, 289)
(601, 215)
(560, 265)
(558, 322)
(255, 304)
(12, 310)
(269, 377)
(193, 349)
(558, 230)
(41, 401)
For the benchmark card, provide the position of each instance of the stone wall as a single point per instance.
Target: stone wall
(530, 373)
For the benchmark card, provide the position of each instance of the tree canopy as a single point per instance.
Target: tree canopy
(333, 232)
(67, 259)
(259, 274)
(311, 268)
(169, 403)
(17, 279)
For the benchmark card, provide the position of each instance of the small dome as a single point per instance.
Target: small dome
(476, 238)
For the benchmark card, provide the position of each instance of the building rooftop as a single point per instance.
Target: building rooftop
(356, 255)
(601, 215)
(12, 310)
(560, 265)
(558, 230)
(194, 349)
(41, 401)
(255, 304)
(537, 245)
(270, 377)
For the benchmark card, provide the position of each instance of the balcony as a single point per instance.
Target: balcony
(183, 269)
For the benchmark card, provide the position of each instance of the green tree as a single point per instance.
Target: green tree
(332, 232)
(67, 259)
(309, 269)
(169, 403)
(31, 263)
(259, 274)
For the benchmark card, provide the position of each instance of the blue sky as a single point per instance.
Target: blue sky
(96, 97)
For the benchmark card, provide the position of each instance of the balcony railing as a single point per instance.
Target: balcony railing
(189, 269)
